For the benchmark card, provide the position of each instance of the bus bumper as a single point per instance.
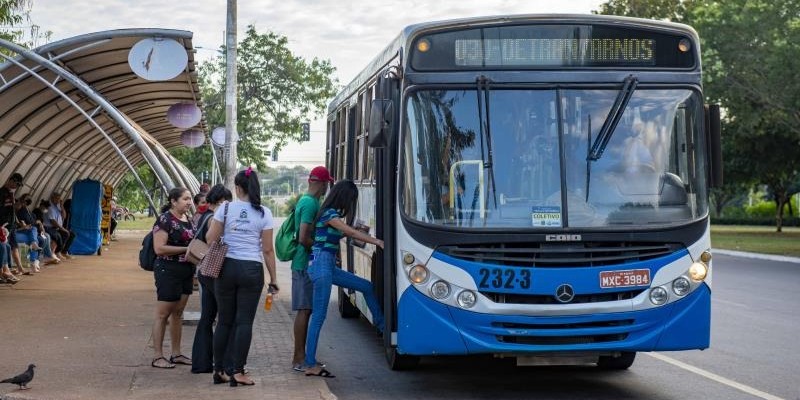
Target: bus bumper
(427, 327)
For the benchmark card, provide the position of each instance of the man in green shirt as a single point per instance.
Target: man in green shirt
(305, 213)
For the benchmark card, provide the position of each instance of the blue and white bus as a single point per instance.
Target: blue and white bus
(541, 184)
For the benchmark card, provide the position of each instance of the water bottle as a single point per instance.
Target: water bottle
(268, 302)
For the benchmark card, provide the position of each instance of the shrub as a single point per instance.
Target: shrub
(759, 221)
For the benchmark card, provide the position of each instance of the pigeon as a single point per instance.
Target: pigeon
(22, 379)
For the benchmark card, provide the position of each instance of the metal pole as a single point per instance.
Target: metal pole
(231, 135)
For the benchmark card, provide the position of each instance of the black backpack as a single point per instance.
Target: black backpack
(147, 255)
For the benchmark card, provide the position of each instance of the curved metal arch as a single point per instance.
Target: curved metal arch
(32, 56)
(96, 98)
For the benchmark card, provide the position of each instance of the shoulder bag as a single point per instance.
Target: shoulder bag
(198, 248)
(211, 265)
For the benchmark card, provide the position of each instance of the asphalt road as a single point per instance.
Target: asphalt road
(754, 354)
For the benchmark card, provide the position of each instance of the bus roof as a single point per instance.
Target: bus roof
(402, 41)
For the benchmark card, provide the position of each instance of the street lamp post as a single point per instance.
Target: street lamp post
(230, 96)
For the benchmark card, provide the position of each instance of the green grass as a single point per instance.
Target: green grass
(142, 223)
(757, 239)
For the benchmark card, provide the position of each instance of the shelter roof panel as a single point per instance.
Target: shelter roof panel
(42, 135)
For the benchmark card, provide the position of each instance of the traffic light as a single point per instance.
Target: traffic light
(306, 135)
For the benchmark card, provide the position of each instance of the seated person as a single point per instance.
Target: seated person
(54, 225)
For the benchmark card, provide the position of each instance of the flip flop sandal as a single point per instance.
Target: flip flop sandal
(168, 366)
(180, 359)
(323, 373)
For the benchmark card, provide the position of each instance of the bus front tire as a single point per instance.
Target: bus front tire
(622, 362)
(400, 362)
(346, 308)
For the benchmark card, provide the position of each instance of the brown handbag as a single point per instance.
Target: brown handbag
(197, 248)
(211, 264)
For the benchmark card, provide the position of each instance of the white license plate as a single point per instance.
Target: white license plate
(630, 277)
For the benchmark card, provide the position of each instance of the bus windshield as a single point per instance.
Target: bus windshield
(540, 176)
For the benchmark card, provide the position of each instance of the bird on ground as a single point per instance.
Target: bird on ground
(22, 379)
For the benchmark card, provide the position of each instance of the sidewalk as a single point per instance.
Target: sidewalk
(86, 324)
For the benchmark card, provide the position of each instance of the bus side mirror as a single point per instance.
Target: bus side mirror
(714, 138)
(380, 122)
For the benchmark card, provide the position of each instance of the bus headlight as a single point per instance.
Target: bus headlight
(681, 286)
(658, 295)
(440, 290)
(467, 299)
(698, 271)
(408, 258)
(705, 256)
(418, 274)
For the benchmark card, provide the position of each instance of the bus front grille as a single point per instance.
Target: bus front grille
(574, 325)
(561, 340)
(555, 255)
(507, 298)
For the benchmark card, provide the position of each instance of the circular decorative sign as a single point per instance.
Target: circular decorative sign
(158, 59)
(184, 115)
(193, 138)
(218, 136)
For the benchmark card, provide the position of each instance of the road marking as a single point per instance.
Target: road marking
(716, 300)
(715, 377)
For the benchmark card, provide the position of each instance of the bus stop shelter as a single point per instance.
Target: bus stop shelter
(75, 109)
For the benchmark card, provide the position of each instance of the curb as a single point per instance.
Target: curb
(759, 256)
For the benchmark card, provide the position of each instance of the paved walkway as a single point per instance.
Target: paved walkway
(86, 325)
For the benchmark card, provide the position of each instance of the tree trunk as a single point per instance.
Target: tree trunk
(779, 220)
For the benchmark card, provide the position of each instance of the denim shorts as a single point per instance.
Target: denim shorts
(302, 290)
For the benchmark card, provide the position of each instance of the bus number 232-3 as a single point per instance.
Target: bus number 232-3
(497, 278)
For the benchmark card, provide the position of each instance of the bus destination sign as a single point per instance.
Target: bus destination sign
(537, 46)
(521, 52)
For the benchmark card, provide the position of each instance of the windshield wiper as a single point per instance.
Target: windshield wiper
(486, 131)
(614, 115)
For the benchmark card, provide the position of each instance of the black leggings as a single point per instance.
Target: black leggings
(238, 291)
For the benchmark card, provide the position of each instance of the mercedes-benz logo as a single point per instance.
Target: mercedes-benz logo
(565, 293)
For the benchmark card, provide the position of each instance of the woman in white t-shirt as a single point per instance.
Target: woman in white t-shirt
(248, 233)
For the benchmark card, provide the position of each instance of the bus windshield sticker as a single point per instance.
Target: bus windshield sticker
(546, 216)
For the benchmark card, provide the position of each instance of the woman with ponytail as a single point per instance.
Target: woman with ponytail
(247, 231)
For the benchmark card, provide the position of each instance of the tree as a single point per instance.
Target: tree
(751, 52)
(672, 10)
(737, 177)
(129, 193)
(278, 91)
(778, 165)
(14, 13)
(755, 58)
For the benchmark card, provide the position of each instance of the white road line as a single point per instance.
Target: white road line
(716, 300)
(715, 377)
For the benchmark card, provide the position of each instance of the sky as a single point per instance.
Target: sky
(349, 33)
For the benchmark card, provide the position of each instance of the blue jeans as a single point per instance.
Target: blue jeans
(44, 243)
(5, 254)
(237, 290)
(324, 273)
(31, 236)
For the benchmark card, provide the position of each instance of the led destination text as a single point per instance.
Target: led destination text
(475, 52)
